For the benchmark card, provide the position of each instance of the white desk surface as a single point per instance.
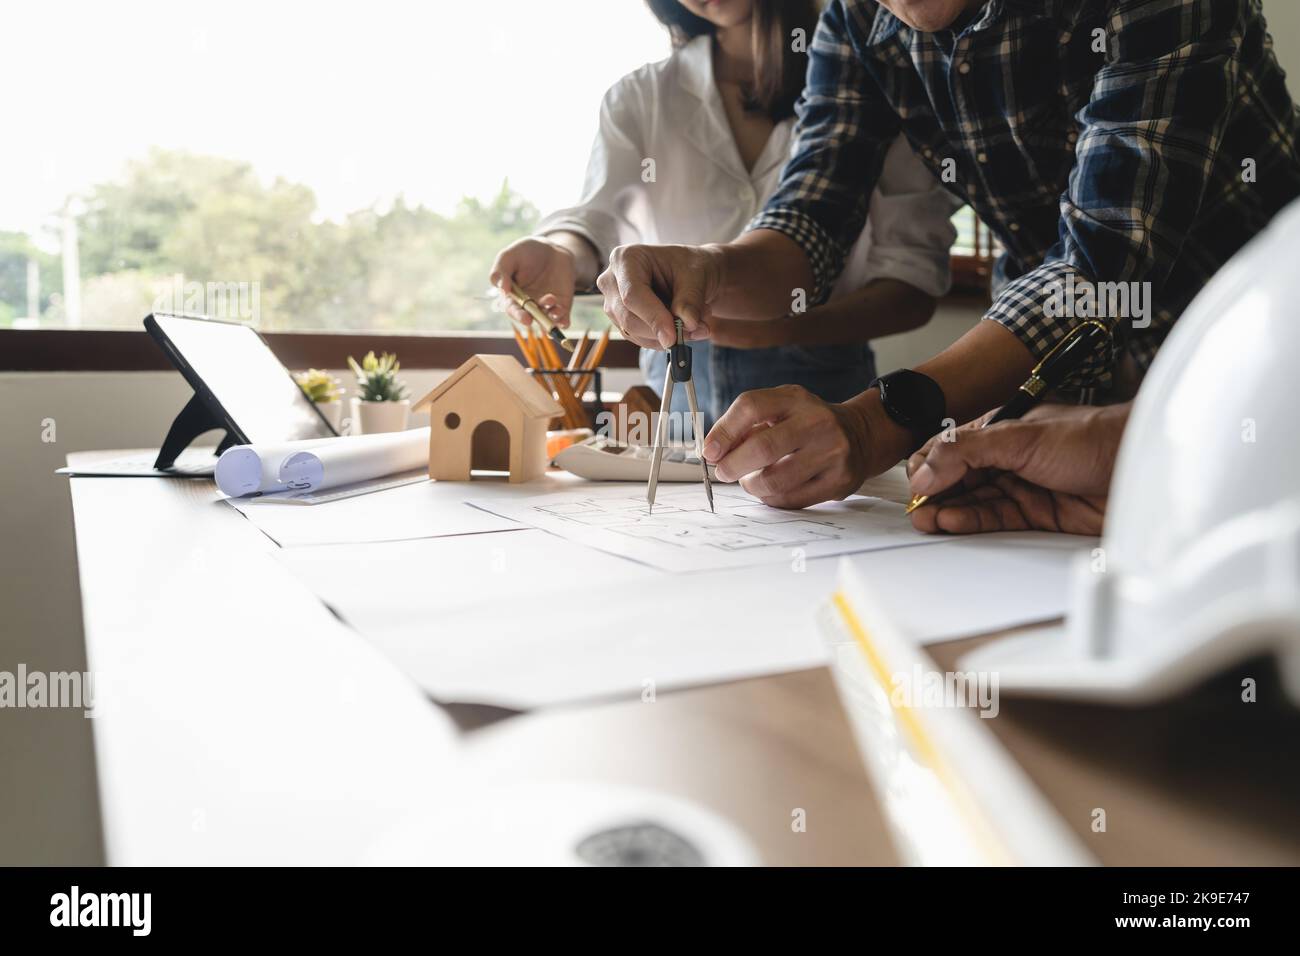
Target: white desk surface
(245, 724)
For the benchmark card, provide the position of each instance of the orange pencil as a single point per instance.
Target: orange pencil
(524, 347)
(575, 358)
(593, 363)
(577, 363)
(540, 349)
(574, 416)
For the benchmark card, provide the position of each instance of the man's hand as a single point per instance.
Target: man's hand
(542, 268)
(645, 287)
(1049, 471)
(790, 449)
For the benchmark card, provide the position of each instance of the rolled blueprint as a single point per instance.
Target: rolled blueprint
(255, 469)
(346, 461)
(261, 468)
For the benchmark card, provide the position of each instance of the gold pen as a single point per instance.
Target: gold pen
(529, 305)
(1064, 357)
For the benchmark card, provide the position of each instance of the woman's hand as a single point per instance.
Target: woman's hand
(543, 269)
(1049, 471)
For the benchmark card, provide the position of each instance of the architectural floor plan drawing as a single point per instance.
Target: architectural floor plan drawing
(683, 535)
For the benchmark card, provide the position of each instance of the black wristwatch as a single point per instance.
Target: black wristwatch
(915, 401)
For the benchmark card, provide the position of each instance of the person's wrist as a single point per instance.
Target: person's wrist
(1109, 422)
(560, 246)
(578, 252)
(886, 441)
(1115, 417)
(716, 267)
(853, 421)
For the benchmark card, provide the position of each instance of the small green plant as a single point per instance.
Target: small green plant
(321, 387)
(377, 378)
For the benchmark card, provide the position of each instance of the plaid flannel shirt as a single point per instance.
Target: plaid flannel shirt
(1152, 161)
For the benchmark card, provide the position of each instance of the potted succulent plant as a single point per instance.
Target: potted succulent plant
(326, 392)
(381, 404)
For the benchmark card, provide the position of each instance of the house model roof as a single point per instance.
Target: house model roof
(535, 400)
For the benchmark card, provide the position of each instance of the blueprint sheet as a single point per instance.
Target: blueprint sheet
(683, 535)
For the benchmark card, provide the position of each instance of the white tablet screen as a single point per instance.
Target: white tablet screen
(251, 384)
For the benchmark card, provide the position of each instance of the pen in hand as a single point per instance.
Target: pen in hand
(538, 314)
(1066, 356)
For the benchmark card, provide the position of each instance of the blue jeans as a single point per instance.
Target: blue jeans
(832, 372)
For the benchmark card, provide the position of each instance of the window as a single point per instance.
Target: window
(307, 166)
(973, 254)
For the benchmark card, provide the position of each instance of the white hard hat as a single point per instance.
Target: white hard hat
(1200, 561)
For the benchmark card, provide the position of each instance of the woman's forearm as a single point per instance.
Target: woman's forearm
(883, 307)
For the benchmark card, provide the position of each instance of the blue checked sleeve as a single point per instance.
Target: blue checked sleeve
(844, 129)
(1148, 143)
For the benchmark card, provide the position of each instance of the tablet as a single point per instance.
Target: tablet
(235, 375)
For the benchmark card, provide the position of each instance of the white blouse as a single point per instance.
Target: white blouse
(665, 169)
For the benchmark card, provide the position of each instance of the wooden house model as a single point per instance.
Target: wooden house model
(488, 415)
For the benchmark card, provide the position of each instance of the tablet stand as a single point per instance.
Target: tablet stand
(194, 419)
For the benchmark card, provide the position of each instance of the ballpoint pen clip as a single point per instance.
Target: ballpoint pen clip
(1066, 339)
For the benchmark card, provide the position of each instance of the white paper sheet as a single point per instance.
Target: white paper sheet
(972, 585)
(526, 619)
(416, 508)
(682, 535)
(891, 485)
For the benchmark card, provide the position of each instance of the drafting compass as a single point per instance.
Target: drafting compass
(679, 370)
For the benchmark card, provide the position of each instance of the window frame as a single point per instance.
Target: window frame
(126, 350)
(970, 278)
(972, 271)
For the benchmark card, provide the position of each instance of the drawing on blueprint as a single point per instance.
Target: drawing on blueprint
(681, 519)
(683, 535)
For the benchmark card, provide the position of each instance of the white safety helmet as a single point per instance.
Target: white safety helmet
(1199, 566)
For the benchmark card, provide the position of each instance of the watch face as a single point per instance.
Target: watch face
(914, 400)
(906, 396)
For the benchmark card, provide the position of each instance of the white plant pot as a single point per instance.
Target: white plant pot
(374, 418)
(333, 412)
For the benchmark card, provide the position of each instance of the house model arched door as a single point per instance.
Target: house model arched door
(490, 447)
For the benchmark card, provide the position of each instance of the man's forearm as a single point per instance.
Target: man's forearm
(762, 273)
(980, 370)
(977, 372)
